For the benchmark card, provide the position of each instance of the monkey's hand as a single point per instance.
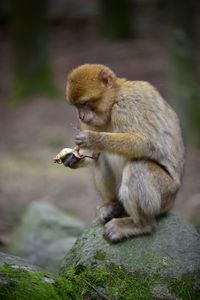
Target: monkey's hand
(82, 139)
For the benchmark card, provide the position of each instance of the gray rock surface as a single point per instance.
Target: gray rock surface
(170, 257)
(45, 235)
(17, 262)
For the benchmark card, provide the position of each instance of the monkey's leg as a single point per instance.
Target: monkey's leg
(106, 187)
(145, 192)
(109, 211)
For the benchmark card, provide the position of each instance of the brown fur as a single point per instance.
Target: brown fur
(84, 84)
(139, 140)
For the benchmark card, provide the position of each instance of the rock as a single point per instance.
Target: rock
(45, 235)
(193, 211)
(21, 280)
(16, 262)
(163, 265)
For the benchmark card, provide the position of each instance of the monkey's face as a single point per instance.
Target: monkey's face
(87, 89)
(87, 102)
(87, 113)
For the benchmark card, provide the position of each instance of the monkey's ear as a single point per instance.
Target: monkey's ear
(106, 79)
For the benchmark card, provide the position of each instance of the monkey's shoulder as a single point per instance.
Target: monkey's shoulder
(135, 98)
(141, 97)
(139, 105)
(138, 91)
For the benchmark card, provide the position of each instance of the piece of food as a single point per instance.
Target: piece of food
(62, 155)
(68, 154)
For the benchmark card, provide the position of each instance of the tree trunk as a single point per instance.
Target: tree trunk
(116, 18)
(32, 72)
(183, 77)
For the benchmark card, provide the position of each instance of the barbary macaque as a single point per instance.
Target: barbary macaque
(134, 147)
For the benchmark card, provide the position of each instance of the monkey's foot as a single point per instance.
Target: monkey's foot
(109, 211)
(119, 229)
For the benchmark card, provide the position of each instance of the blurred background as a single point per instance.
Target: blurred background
(40, 42)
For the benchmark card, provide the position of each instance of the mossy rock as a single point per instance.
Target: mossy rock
(19, 280)
(163, 265)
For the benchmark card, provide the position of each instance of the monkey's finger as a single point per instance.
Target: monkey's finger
(80, 142)
(76, 149)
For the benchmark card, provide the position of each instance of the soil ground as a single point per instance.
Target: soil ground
(34, 131)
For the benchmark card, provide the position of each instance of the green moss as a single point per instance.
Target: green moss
(100, 255)
(21, 284)
(113, 282)
(186, 287)
(108, 283)
(90, 282)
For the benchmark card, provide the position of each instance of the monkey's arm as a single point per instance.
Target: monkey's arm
(129, 144)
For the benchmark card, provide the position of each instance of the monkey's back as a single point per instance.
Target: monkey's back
(151, 116)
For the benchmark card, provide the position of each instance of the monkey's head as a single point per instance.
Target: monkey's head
(90, 88)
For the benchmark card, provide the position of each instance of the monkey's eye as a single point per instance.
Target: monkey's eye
(83, 103)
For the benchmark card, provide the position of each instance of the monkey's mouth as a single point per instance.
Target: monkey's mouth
(85, 117)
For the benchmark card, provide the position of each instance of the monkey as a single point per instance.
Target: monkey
(139, 148)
